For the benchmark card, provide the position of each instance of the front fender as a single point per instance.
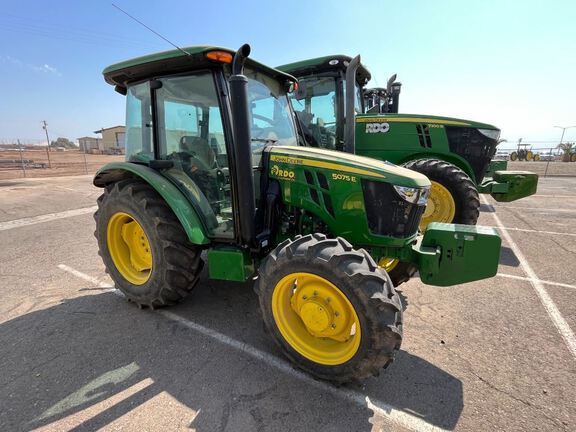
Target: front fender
(182, 208)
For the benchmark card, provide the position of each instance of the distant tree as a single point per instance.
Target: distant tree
(567, 148)
(63, 142)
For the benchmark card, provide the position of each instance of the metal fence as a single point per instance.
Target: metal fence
(39, 161)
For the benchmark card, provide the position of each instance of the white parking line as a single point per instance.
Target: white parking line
(45, 218)
(552, 196)
(381, 408)
(558, 284)
(84, 276)
(555, 315)
(536, 231)
(536, 208)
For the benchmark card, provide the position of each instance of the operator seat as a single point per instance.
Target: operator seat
(199, 148)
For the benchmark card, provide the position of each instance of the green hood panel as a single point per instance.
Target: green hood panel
(340, 162)
(420, 118)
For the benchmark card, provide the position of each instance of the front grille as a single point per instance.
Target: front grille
(473, 146)
(388, 214)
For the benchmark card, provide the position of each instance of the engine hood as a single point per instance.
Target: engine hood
(345, 163)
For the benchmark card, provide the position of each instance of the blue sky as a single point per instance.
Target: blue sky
(508, 63)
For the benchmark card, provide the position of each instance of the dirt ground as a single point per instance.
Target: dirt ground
(72, 163)
(555, 168)
(62, 163)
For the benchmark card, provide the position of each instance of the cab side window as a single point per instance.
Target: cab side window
(191, 134)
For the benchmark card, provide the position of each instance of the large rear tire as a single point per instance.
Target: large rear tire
(450, 187)
(143, 246)
(333, 312)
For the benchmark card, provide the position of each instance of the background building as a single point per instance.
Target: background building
(90, 145)
(113, 139)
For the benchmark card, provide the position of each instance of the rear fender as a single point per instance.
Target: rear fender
(176, 200)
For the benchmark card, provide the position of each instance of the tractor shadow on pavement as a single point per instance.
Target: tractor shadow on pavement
(508, 257)
(91, 360)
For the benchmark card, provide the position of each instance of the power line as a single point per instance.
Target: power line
(156, 33)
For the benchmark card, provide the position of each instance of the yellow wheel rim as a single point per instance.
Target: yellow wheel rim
(573, 158)
(316, 319)
(388, 264)
(440, 208)
(529, 155)
(129, 248)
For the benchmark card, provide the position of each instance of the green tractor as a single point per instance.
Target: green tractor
(524, 153)
(454, 154)
(215, 164)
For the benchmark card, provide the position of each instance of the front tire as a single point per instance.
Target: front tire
(143, 246)
(333, 312)
(453, 195)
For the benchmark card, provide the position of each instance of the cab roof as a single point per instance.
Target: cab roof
(323, 64)
(176, 61)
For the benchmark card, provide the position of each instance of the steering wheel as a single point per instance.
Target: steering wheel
(263, 118)
(191, 158)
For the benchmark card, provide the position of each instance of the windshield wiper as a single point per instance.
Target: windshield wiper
(264, 140)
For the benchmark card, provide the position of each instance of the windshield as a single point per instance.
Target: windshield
(357, 97)
(315, 105)
(272, 118)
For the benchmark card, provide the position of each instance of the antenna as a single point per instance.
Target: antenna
(155, 32)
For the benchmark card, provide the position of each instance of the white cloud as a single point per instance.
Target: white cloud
(45, 68)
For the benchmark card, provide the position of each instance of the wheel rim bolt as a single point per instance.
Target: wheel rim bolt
(336, 313)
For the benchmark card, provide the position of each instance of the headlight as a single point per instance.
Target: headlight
(413, 195)
(490, 133)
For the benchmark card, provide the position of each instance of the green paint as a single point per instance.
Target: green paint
(169, 61)
(519, 184)
(229, 263)
(344, 192)
(495, 165)
(450, 254)
(179, 204)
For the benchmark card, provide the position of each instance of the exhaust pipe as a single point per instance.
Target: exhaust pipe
(350, 132)
(242, 153)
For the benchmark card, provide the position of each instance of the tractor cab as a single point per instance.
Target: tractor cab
(178, 121)
(320, 101)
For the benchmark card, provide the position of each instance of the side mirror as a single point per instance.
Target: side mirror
(300, 92)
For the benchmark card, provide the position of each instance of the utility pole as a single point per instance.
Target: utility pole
(21, 158)
(45, 127)
(561, 139)
(563, 130)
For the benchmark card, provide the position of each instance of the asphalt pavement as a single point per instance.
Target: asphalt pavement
(498, 354)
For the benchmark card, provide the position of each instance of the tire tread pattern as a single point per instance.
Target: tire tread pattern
(367, 286)
(180, 262)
